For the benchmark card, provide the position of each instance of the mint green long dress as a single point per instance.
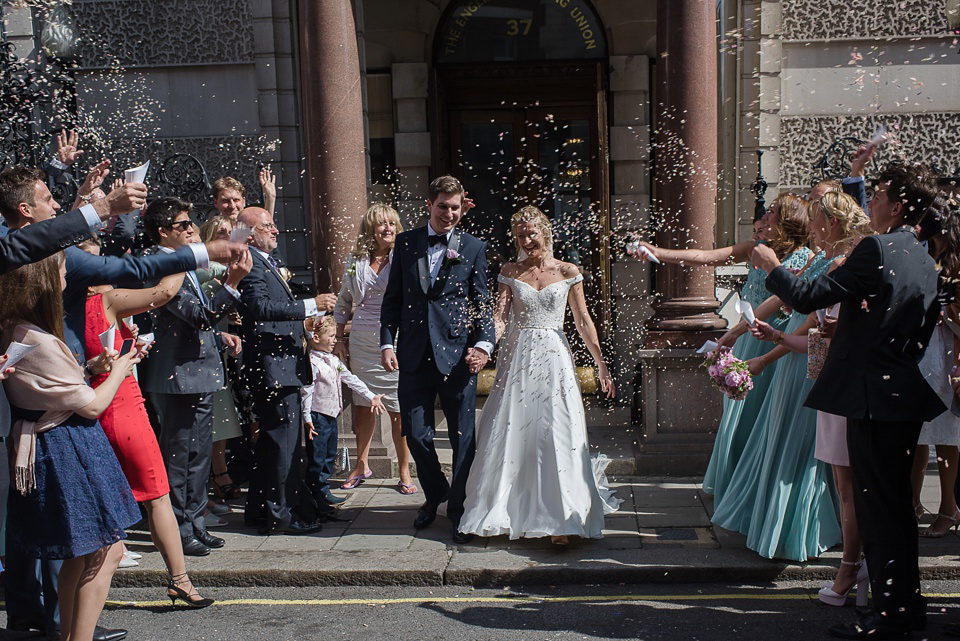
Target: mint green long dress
(739, 416)
(780, 496)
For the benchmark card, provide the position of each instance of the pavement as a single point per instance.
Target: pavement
(661, 534)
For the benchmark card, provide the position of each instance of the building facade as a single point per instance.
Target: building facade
(555, 103)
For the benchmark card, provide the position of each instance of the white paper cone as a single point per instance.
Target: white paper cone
(145, 339)
(649, 254)
(107, 337)
(15, 352)
(709, 346)
(745, 310)
(240, 234)
(137, 174)
(879, 137)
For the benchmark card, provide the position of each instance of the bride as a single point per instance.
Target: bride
(533, 475)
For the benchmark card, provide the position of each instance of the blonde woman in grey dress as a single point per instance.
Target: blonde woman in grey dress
(364, 281)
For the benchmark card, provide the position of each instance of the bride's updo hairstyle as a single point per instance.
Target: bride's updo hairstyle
(530, 214)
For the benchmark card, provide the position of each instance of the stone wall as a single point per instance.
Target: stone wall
(817, 71)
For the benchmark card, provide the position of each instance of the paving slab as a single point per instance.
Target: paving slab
(662, 533)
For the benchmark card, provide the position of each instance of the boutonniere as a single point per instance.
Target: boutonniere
(453, 257)
(352, 269)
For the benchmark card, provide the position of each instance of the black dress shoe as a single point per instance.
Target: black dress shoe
(24, 625)
(872, 626)
(193, 547)
(425, 515)
(461, 537)
(108, 634)
(211, 541)
(295, 527)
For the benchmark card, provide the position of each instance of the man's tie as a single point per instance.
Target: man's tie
(273, 263)
(437, 239)
(196, 284)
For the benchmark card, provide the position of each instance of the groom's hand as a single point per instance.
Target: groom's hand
(389, 360)
(476, 359)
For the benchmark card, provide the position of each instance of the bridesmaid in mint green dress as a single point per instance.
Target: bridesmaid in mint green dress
(785, 229)
(780, 496)
(739, 416)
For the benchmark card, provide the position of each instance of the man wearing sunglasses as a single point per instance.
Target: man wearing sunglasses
(184, 370)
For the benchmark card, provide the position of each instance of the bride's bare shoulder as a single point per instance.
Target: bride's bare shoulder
(510, 270)
(568, 270)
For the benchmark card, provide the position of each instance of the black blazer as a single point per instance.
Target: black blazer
(274, 348)
(185, 358)
(888, 287)
(39, 240)
(448, 316)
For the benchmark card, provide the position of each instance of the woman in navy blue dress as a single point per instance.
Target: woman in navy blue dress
(68, 499)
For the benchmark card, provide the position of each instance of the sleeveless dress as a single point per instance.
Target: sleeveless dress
(125, 420)
(739, 416)
(533, 475)
(780, 496)
(365, 339)
(935, 366)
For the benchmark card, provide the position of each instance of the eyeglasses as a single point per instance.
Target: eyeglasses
(267, 227)
(182, 225)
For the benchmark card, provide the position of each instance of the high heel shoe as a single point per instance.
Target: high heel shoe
(227, 491)
(919, 511)
(185, 596)
(560, 541)
(930, 533)
(828, 596)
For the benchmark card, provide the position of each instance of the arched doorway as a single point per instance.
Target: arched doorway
(520, 118)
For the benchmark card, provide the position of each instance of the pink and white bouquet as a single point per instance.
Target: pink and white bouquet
(731, 374)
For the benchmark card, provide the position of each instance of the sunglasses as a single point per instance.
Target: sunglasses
(182, 225)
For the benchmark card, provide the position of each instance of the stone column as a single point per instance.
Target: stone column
(679, 408)
(686, 161)
(336, 178)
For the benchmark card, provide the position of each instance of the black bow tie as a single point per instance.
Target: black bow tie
(437, 239)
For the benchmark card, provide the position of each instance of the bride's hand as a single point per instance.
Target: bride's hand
(606, 381)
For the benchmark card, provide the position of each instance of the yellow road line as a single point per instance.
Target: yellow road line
(506, 598)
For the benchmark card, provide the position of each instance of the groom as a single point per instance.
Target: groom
(438, 300)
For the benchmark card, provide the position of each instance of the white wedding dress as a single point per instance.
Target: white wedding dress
(533, 475)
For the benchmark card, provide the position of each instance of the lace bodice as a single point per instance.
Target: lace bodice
(543, 309)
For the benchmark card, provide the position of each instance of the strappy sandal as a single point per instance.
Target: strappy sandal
(930, 533)
(226, 491)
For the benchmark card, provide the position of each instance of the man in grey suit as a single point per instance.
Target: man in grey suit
(184, 370)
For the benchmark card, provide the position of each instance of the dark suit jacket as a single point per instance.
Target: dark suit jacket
(888, 287)
(446, 317)
(185, 358)
(39, 240)
(274, 351)
(85, 269)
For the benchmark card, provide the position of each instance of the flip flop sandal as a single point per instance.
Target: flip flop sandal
(354, 481)
(406, 488)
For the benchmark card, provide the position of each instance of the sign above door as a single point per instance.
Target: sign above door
(519, 31)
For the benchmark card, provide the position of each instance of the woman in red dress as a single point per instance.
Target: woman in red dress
(129, 431)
